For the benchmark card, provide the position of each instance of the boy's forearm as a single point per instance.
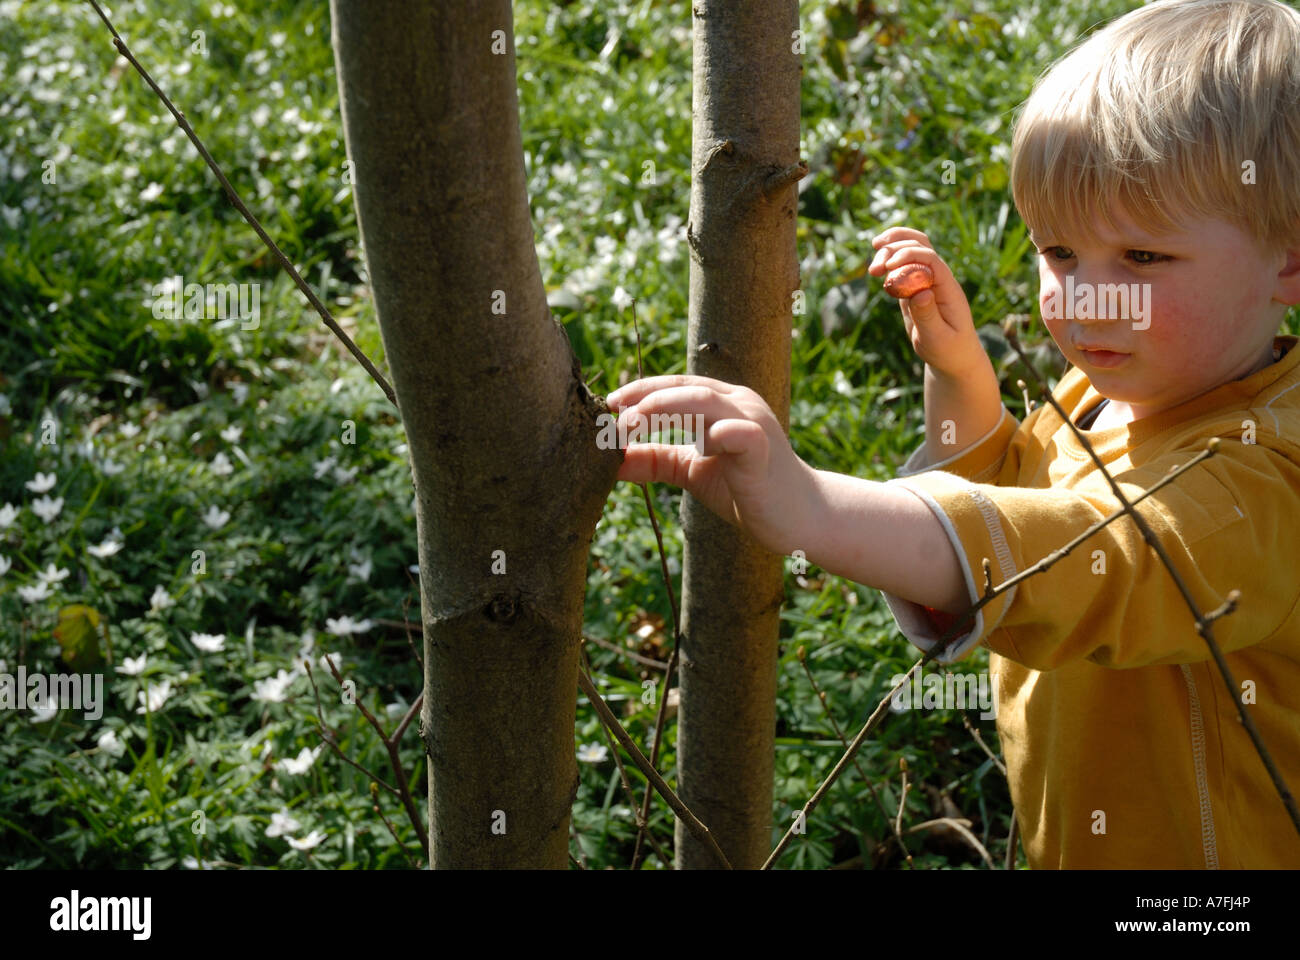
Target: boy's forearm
(960, 408)
(884, 537)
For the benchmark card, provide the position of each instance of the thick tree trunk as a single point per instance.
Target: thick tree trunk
(509, 482)
(744, 271)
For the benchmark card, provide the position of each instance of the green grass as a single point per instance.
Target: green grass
(318, 528)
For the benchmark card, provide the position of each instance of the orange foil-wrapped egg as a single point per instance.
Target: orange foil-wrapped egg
(909, 280)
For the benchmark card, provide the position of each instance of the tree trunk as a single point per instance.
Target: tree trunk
(508, 480)
(744, 271)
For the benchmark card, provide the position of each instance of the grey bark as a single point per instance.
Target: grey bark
(744, 270)
(500, 427)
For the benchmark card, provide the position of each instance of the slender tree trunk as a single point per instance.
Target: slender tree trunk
(744, 271)
(509, 482)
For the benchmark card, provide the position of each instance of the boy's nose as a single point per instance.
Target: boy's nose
(1096, 307)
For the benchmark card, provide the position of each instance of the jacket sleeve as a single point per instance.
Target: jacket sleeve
(980, 462)
(1226, 523)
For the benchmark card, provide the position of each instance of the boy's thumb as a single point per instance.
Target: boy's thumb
(923, 307)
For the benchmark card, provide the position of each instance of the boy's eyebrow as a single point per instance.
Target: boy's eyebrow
(1136, 240)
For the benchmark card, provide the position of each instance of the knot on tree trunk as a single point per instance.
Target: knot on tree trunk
(502, 609)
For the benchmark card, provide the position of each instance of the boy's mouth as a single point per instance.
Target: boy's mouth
(1103, 358)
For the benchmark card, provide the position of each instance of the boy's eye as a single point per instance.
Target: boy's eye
(1056, 253)
(1145, 256)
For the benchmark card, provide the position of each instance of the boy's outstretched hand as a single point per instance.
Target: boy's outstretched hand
(748, 473)
(938, 319)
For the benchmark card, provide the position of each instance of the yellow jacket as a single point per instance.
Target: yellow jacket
(1122, 744)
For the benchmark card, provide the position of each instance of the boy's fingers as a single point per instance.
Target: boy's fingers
(897, 254)
(895, 234)
(657, 463)
(685, 402)
(631, 393)
(942, 274)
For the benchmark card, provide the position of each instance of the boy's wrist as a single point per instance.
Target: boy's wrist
(960, 408)
(976, 363)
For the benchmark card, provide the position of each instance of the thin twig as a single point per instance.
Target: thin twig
(872, 722)
(330, 740)
(374, 797)
(661, 712)
(826, 708)
(1012, 837)
(394, 753)
(963, 830)
(902, 800)
(692, 822)
(978, 739)
(247, 214)
(644, 661)
(627, 784)
(406, 625)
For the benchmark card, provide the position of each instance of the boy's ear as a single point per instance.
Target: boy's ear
(1288, 278)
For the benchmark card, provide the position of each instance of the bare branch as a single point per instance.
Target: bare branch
(692, 822)
(288, 267)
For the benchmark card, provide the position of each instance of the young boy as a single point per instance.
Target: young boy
(1158, 167)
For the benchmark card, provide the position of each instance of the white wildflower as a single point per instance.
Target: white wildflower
(208, 642)
(36, 593)
(109, 743)
(282, 823)
(155, 698)
(160, 600)
(221, 465)
(106, 549)
(44, 710)
(307, 842)
(345, 625)
(215, 518)
(306, 757)
(47, 509)
(133, 668)
(42, 482)
(52, 574)
(592, 752)
(272, 689)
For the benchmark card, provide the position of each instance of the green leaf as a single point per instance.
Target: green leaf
(76, 635)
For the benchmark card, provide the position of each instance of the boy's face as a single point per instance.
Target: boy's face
(1202, 309)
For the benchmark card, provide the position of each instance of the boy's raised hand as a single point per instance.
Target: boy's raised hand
(938, 319)
(748, 473)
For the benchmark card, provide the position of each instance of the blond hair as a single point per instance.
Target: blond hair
(1168, 112)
